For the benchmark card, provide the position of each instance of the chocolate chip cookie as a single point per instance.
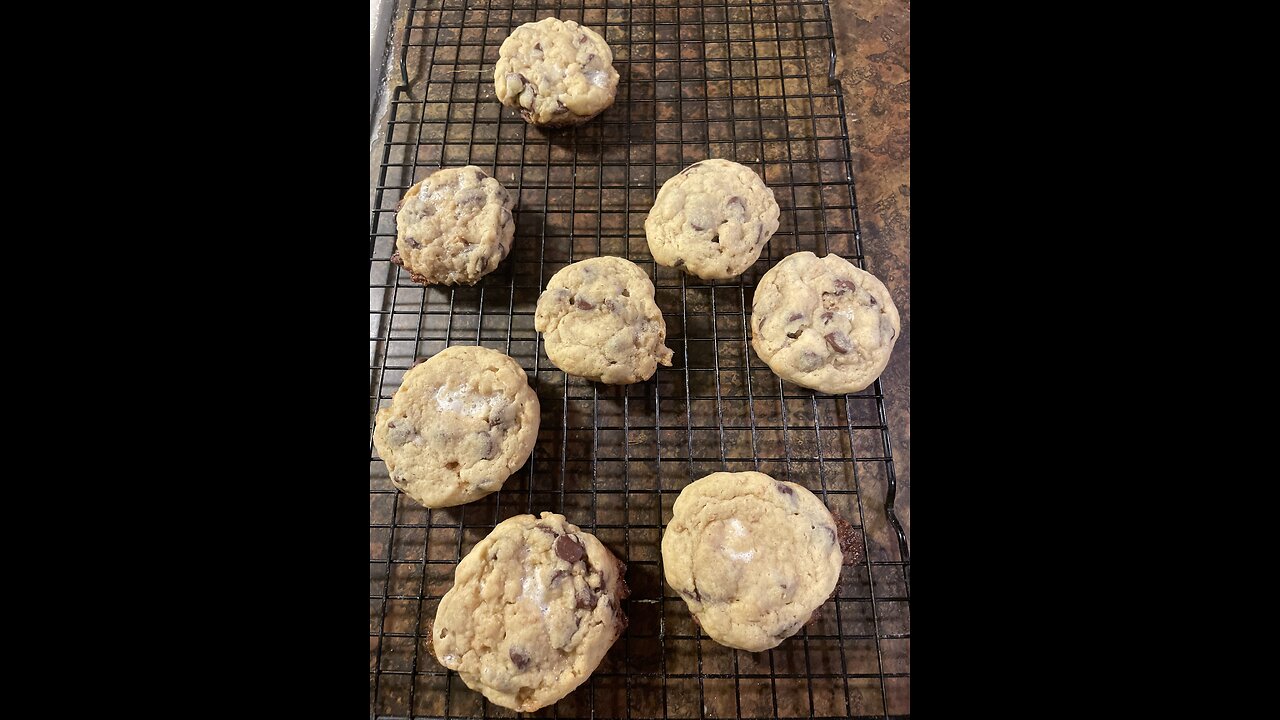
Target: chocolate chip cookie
(454, 227)
(599, 321)
(823, 323)
(712, 220)
(459, 425)
(752, 557)
(558, 73)
(533, 609)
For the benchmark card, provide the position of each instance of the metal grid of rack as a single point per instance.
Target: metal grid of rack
(749, 82)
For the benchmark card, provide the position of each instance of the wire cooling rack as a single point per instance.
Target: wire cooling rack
(750, 82)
